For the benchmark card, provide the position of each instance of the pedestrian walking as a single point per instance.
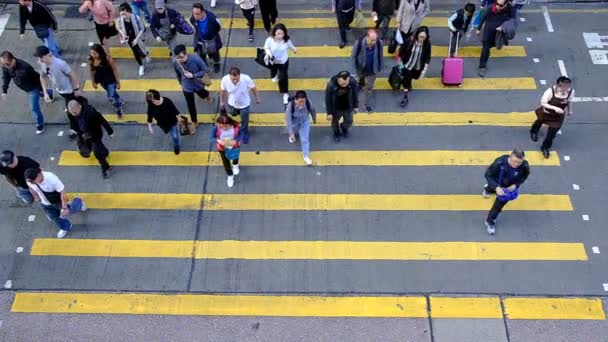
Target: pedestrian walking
(162, 110)
(48, 189)
(103, 15)
(367, 56)
(207, 40)
(235, 98)
(415, 55)
(140, 6)
(213, 3)
(495, 16)
(42, 20)
(132, 29)
(61, 77)
(248, 9)
(226, 134)
(163, 24)
(104, 71)
(382, 12)
(277, 48)
(555, 104)
(345, 14)
(459, 24)
(190, 71)
(269, 13)
(504, 177)
(341, 102)
(90, 132)
(410, 15)
(27, 79)
(13, 168)
(297, 119)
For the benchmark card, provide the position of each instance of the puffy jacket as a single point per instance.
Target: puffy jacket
(510, 176)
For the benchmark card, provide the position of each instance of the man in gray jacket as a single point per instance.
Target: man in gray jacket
(367, 58)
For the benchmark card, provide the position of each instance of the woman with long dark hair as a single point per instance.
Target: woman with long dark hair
(226, 135)
(131, 28)
(415, 55)
(104, 71)
(277, 48)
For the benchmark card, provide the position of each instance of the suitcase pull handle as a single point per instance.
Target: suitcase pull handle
(450, 45)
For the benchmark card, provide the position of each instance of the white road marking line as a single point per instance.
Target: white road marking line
(599, 56)
(590, 99)
(19, 249)
(566, 158)
(536, 60)
(562, 67)
(529, 39)
(3, 21)
(8, 284)
(596, 250)
(523, 20)
(585, 217)
(543, 82)
(605, 286)
(594, 40)
(576, 187)
(31, 218)
(60, 134)
(547, 19)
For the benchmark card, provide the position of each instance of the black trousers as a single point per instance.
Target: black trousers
(249, 15)
(214, 56)
(485, 53)
(551, 133)
(344, 20)
(496, 208)
(383, 23)
(347, 122)
(268, 10)
(100, 151)
(191, 102)
(227, 164)
(281, 70)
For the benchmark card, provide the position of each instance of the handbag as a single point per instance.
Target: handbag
(477, 18)
(260, 58)
(182, 26)
(396, 77)
(208, 47)
(42, 31)
(205, 80)
(84, 147)
(392, 46)
(232, 153)
(509, 195)
(359, 21)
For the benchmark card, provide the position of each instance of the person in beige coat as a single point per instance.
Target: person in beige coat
(410, 15)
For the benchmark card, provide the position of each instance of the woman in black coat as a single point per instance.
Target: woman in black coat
(415, 57)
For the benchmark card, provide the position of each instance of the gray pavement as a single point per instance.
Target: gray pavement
(583, 141)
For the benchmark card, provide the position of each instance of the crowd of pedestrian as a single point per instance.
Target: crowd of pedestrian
(494, 21)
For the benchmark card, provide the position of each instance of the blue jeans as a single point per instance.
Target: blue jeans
(113, 95)
(175, 135)
(244, 113)
(142, 5)
(54, 214)
(34, 97)
(303, 129)
(51, 43)
(24, 194)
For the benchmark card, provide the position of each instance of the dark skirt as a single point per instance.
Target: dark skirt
(550, 119)
(408, 76)
(105, 31)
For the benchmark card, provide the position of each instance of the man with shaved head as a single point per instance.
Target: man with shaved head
(90, 132)
(367, 61)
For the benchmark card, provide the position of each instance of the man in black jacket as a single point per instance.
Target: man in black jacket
(341, 101)
(345, 14)
(13, 168)
(90, 132)
(28, 80)
(382, 11)
(43, 22)
(494, 16)
(506, 174)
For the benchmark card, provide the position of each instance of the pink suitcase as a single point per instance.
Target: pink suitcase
(453, 68)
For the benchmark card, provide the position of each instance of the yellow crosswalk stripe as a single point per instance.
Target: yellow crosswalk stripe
(324, 202)
(433, 83)
(310, 250)
(517, 119)
(321, 23)
(327, 52)
(321, 158)
(302, 306)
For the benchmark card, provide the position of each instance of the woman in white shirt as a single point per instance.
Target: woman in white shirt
(555, 104)
(277, 51)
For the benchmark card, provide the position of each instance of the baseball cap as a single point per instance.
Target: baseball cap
(41, 51)
(7, 158)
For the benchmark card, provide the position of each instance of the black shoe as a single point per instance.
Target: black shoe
(216, 68)
(534, 136)
(176, 149)
(368, 109)
(546, 153)
(342, 45)
(73, 135)
(344, 131)
(106, 174)
(336, 138)
(404, 101)
(482, 72)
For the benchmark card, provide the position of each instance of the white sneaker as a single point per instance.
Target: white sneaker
(141, 70)
(292, 139)
(61, 233)
(235, 169)
(39, 131)
(275, 79)
(308, 161)
(485, 194)
(213, 3)
(285, 98)
(230, 181)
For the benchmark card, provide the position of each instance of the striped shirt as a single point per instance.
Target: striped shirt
(414, 61)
